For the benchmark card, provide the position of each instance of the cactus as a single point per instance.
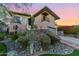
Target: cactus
(32, 35)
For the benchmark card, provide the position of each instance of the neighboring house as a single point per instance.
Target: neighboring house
(45, 19)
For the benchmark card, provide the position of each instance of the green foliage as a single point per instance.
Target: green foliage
(45, 41)
(3, 49)
(73, 30)
(23, 41)
(21, 34)
(4, 12)
(2, 35)
(60, 28)
(54, 38)
(14, 36)
(2, 24)
(75, 53)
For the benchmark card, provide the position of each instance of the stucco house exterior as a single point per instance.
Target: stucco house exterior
(18, 22)
(44, 19)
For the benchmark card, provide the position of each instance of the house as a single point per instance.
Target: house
(45, 19)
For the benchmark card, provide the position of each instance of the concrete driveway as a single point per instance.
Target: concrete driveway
(70, 41)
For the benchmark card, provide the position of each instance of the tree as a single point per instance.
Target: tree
(31, 32)
(15, 6)
(3, 14)
(2, 25)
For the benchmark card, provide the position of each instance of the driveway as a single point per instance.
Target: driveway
(70, 41)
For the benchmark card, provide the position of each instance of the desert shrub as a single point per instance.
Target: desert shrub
(45, 41)
(2, 35)
(22, 41)
(21, 34)
(14, 36)
(11, 33)
(54, 38)
(3, 49)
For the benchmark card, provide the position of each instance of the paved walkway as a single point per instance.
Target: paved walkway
(70, 41)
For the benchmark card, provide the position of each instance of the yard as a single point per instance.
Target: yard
(3, 50)
(69, 40)
(21, 39)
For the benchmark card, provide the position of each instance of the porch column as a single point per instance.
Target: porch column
(56, 31)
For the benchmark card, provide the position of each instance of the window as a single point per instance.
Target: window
(45, 18)
(29, 21)
(17, 19)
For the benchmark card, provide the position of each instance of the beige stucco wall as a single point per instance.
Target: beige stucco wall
(45, 24)
(21, 27)
(38, 23)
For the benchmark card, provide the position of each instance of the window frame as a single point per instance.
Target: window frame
(29, 21)
(44, 17)
(16, 19)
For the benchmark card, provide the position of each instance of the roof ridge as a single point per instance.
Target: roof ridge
(48, 10)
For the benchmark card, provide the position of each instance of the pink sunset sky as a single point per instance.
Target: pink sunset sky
(68, 12)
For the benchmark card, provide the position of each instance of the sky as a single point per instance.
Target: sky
(64, 11)
(68, 12)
